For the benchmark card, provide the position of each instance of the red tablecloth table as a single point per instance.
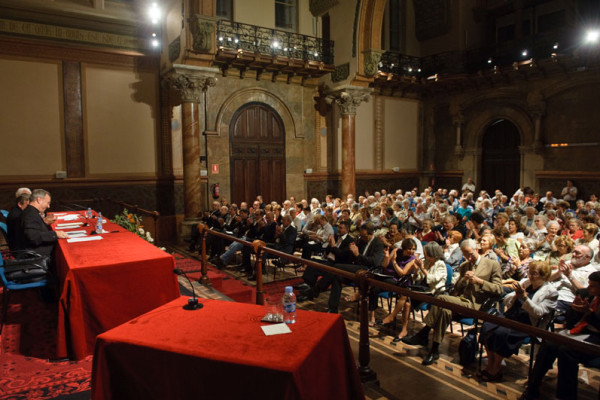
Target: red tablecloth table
(220, 352)
(105, 283)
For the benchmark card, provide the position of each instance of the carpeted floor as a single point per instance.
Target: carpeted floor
(26, 347)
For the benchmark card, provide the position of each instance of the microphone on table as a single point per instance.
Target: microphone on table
(192, 303)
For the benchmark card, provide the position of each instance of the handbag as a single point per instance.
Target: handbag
(467, 348)
(28, 267)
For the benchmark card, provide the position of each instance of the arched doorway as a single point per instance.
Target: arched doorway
(257, 138)
(501, 160)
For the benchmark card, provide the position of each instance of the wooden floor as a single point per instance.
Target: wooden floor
(398, 366)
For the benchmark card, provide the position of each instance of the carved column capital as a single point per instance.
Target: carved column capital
(189, 86)
(458, 119)
(348, 99)
(371, 59)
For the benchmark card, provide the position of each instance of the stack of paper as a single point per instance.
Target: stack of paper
(69, 217)
(69, 225)
(73, 234)
(84, 239)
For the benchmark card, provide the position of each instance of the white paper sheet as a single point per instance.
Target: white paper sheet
(74, 234)
(84, 239)
(69, 217)
(71, 225)
(276, 329)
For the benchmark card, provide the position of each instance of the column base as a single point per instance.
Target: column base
(367, 375)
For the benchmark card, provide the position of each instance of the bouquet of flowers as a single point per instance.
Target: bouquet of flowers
(133, 223)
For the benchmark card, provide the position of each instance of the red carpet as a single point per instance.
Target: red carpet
(27, 342)
(230, 286)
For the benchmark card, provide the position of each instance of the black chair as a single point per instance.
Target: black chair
(20, 271)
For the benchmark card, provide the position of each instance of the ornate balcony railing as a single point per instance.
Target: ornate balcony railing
(541, 46)
(274, 42)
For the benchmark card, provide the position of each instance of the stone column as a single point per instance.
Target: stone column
(378, 134)
(347, 100)
(459, 120)
(190, 87)
(537, 113)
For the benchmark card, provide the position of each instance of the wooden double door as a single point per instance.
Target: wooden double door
(501, 159)
(257, 156)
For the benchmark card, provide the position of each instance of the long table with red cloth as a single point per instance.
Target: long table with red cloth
(107, 282)
(220, 352)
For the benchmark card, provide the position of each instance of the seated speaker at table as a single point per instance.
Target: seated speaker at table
(35, 233)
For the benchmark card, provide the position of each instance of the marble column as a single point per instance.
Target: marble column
(459, 120)
(537, 113)
(191, 88)
(348, 100)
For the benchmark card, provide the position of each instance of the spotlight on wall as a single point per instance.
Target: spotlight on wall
(592, 36)
(490, 60)
(155, 43)
(524, 53)
(555, 47)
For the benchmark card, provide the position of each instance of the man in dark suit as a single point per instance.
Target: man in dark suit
(339, 251)
(13, 220)
(284, 240)
(480, 278)
(35, 234)
(367, 254)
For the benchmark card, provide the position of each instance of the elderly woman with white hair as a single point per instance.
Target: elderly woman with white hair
(538, 230)
(545, 247)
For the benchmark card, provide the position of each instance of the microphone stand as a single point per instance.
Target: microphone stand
(192, 303)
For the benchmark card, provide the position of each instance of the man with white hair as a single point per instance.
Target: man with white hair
(572, 276)
(480, 278)
(34, 233)
(286, 208)
(21, 191)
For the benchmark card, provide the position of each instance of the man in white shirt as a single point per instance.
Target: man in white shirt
(319, 240)
(571, 276)
(470, 186)
(548, 198)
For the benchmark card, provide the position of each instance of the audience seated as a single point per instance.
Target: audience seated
(479, 279)
(584, 326)
(398, 266)
(512, 235)
(571, 276)
(430, 275)
(318, 240)
(530, 301)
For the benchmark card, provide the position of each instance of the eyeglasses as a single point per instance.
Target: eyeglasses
(533, 273)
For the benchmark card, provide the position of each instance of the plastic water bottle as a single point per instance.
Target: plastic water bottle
(99, 224)
(89, 213)
(289, 305)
